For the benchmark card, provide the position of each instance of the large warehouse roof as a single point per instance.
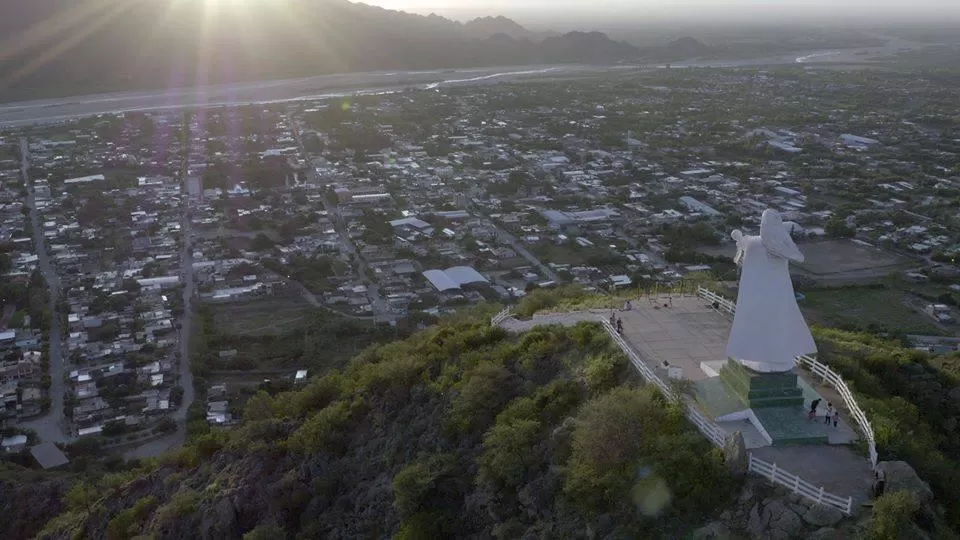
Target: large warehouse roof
(453, 278)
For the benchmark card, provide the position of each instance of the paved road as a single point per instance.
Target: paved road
(381, 308)
(52, 426)
(524, 252)
(186, 320)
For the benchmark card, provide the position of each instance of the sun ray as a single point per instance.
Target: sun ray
(53, 27)
(53, 52)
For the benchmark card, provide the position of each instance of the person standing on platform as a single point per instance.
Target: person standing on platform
(620, 326)
(813, 409)
(827, 418)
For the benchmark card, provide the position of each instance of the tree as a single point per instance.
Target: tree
(508, 449)
(837, 228)
(261, 242)
(893, 515)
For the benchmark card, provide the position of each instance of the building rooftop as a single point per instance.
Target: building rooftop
(48, 455)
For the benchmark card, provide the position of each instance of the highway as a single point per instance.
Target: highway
(51, 427)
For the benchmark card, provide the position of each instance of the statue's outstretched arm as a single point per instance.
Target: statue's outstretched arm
(737, 235)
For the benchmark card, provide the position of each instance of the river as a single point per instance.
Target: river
(345, 84)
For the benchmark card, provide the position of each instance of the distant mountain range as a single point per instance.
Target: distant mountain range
(66, 47)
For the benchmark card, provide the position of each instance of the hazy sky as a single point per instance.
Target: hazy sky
(595, 10)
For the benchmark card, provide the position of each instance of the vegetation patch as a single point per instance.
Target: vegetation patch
(875, 309)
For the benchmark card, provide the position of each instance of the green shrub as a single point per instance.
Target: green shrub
(607, 445)
(483, 393)
(508, 450)
(547, 407)
(893, 514)
(604, 371)
(127, 523)
(260, 406)
(266, 531)
(424, 526)
(323, 431)
(413, 484)
(183, 503)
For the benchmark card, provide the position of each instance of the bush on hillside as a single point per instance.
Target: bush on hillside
(893, 514)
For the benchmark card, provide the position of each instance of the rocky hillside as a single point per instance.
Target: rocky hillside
(460, 431)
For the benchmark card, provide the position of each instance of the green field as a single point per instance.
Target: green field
(280, 334)
(261, 318)
(866, 307)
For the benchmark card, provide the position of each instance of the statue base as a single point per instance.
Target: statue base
(760, 390)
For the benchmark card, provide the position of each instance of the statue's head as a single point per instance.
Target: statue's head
(775, 235)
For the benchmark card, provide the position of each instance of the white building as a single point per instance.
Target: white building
(695, 206)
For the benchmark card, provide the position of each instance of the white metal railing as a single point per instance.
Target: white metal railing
(635, 359)
(711, 431)
(501, 316)
(720, 303)
(829, 376)
(798, 485)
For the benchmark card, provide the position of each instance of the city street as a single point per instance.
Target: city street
(52, 426)
(186, 320)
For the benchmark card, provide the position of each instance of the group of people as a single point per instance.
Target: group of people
(832, 415)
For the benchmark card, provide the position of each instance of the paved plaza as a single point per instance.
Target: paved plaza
(677, 331)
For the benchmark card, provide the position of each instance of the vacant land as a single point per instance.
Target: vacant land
(559, 254)
(845, 256)
(272, 317)
(279, 335)
(836, 261)
(884, 309)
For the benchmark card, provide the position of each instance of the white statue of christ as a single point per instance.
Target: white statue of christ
(768, 329)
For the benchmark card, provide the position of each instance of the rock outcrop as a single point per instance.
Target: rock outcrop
(900, 475)
(735, 454)
(765, 512)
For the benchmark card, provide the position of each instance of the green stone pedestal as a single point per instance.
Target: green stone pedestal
(760, 390)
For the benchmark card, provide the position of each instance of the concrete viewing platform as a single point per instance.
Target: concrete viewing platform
(683, 337)
(686, 336)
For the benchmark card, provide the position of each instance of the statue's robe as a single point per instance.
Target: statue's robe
(769, 331)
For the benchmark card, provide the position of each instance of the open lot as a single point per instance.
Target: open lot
(863, 307)
(271, 317)
(837, 261)
(279, 336)
(844, 256)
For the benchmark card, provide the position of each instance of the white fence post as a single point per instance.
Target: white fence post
(820, 496)
(773, 472)
(796, 484)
